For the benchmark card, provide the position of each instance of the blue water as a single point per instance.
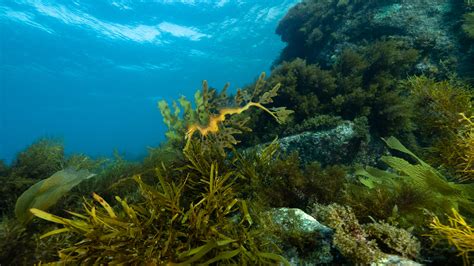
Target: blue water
(90, 72)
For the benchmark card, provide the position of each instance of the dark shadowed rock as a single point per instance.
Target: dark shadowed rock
(319, 31)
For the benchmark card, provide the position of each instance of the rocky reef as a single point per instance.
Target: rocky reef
(319, 31)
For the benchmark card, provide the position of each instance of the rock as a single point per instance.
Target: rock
(340, 145)
(305, 240)
(343, 144)
(296, 219)
(424, 23)
(396, 260)
(319, 31)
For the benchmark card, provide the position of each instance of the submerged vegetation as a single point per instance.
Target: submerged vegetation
(193, 213)
(210, 115)
(163, 229)
(444, 107)
(362, 84)
(206, 195)
(429, 188)
(363, 243)
(47, 192)
(459, 234)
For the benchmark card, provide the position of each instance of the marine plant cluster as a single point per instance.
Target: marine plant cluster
(208, 194)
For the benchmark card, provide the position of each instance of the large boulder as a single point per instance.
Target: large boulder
(342, 144)
(305, 240)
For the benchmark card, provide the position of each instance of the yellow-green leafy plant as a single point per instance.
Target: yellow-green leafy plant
(47, 192)
(191, 211)
(458, 232)
(169, 227)
(439, 104)
(465, 149)
(413, 175)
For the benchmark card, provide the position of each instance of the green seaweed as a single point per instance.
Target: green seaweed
(468, 25)
(427, 188)
(439, 104)
(42, 158)
(169, 227)
(286, 182)
(47, 192)
(362, 84)
(195, 209)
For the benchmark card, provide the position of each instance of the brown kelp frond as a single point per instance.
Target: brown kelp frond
(458, 233)
(168, 226)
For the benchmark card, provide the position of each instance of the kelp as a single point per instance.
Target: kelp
(438, 194)
(215, 227)
(191, 211)
(47, 192)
